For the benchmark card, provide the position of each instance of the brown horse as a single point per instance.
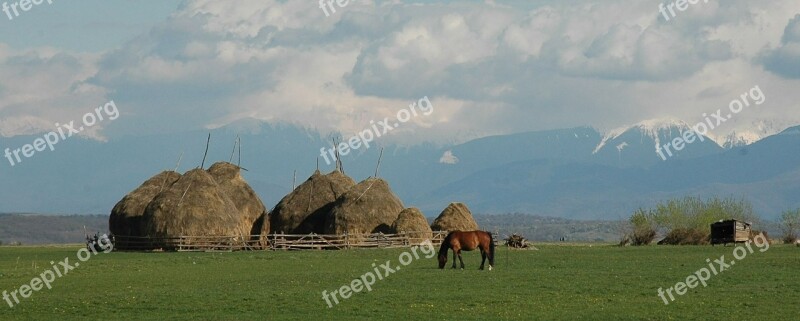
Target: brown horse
(467, 241)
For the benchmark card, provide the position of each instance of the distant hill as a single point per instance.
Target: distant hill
(33, 229)
(575, 173)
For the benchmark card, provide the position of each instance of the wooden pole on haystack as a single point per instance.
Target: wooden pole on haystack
(294, 179)
(208, 142)
(178, 164)
(235, 142)
(336, 154)
(379, 163)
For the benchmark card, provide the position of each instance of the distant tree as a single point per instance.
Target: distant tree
(691, 216)
(790, 222)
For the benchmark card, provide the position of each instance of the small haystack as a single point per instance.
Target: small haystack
(248, 204)
(368, 207)
(456, 217)
(126, 217)
(412, 222)
(304, 210)
(195, 205)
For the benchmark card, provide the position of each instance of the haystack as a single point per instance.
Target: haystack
(368, 207)
(249, 206)
(195, 205)
(126, 216)
(456, 217)
(412, 222)
(303, 210)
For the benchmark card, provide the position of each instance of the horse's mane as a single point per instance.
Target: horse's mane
(445, 244)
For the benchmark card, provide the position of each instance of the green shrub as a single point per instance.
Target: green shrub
(688, 220)
(790, 222)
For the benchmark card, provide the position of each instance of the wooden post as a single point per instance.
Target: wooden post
(379, 163)
(235, 141)
(208, 141)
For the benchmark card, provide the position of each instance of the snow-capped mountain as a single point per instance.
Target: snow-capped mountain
(757, 130)
(639, 144)
(574, 172)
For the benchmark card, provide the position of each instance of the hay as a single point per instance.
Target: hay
(368, 207)
(304, 210)
(126, 216)
(195, 205)
(456, 217)
(248, 204)
(412, 222)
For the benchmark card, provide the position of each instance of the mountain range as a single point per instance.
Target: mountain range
(575, 173)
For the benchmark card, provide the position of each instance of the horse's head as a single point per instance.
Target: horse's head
(442, 259)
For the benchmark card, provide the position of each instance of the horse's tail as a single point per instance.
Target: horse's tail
(491, 249)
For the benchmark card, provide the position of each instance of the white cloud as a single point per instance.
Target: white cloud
(487, 68)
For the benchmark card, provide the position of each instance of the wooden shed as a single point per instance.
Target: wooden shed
(730, 231)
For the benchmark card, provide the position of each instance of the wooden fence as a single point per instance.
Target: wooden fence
(271, 242)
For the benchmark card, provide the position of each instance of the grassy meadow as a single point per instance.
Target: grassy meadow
(555, 282)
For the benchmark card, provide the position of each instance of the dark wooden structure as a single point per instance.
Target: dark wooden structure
(730, 231)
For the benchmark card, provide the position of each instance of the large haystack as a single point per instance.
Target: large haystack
(412, 222)
(126, 217)
(456, 217)
(368, 207)
(195, 205)
(248, 204)
(303, 210)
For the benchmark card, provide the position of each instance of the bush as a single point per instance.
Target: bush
(684, 236)
(641, 229)
(790, 222)
(688, 220)
(755, 233)
(643, 236)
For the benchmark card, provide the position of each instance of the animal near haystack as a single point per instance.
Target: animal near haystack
(127, 216)
(368, 207)
(413, 223)
(456, 217)
(304, 210)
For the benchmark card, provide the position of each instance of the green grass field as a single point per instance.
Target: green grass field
(557, 282)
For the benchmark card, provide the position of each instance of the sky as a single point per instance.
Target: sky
(488, 67)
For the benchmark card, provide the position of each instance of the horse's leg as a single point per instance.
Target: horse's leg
(454, 257)
(461, 259)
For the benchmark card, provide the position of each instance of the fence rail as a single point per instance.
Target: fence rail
(272, 242)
